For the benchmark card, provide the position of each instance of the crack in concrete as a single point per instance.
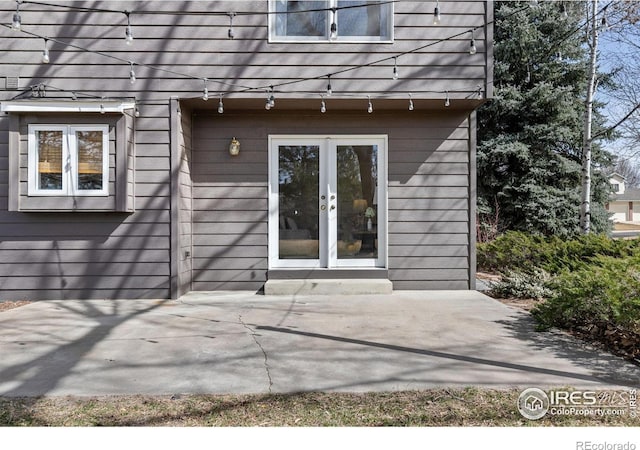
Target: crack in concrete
(264, 353)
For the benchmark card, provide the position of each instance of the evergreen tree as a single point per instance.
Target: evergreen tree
(530, 135)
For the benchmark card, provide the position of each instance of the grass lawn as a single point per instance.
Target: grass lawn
(437, 407)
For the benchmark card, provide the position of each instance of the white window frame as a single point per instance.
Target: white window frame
(273, 38)
(328, 257)
(69, 161)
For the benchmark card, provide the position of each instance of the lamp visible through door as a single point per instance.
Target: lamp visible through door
(359, 205)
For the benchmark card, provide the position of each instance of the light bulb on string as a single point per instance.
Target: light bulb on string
(563, 11)
(329, 90)
(137, 111)
(16, 24)
(603, 23)
(102, 110)
(410, 103)
(205, 90)
(220, 105)
(323, 106)
(45, 53)
(128, 34)
(334, 27)
(447, 101)
(132, 74)
(370, 106)
(395, 68)
(436, 14)
(272, 99)
(472, 44)
(230, 33)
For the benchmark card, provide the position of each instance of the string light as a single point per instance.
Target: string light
(479, 92)
(323, 106)
(563, 11)
(16, 24)
(472, 44)
(230, 32)
(132, 74)
(240, 87)
(272, 99)
(410, 103)
(102, 111)
(45, 53)
(220, 106)
(128, 33)
(603, 22)
(370, 107)
(137, 111)
(334, 27)
(395, 68)
(436, 14)
(447, 101)
(205, 90)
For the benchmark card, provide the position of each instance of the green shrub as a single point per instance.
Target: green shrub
(522, 285)
(607, 290)
(522, 252)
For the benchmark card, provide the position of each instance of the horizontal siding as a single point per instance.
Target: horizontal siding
(62, 255)
(428, 195)
(196, 44)
(428, 157)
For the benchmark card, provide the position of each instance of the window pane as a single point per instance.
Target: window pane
(372, 20)
(291, 22)
(90, 157)
(357, 167)
(299, 221)
(49, 159)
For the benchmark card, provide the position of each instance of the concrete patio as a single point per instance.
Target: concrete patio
(240, 342)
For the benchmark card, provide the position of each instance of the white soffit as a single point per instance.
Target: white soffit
(107, 106)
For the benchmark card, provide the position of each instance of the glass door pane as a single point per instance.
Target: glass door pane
(298, 200)
(357, 215)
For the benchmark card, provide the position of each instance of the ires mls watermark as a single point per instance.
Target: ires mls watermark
(534, 403)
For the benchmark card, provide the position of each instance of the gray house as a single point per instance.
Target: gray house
(172, 146)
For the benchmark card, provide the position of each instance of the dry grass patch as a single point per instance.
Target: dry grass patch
(6, 305)
(437, 407)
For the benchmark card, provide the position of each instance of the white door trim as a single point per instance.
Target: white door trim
(328, 257)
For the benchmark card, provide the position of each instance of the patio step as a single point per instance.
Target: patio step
(329, 286)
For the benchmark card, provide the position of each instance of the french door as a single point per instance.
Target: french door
(327, 201)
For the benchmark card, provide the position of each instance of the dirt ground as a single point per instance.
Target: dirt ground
(6, 305)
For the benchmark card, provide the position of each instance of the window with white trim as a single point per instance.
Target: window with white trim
(313, 20)
(68, 160)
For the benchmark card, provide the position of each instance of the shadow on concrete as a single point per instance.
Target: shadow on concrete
(40, 375)
(452, 356)
(603, 365)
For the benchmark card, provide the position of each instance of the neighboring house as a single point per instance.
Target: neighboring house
(210, 153)
(624, 203)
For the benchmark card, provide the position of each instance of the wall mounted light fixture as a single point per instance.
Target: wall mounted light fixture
(234, 147)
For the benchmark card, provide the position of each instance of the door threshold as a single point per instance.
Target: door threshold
(325, 274)
(328, 286)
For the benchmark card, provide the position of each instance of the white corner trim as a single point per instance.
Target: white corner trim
(107, 106)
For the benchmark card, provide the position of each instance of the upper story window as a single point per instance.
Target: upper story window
(68, 160)
(331, 20)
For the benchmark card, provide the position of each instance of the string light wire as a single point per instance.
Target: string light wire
(242, 88)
